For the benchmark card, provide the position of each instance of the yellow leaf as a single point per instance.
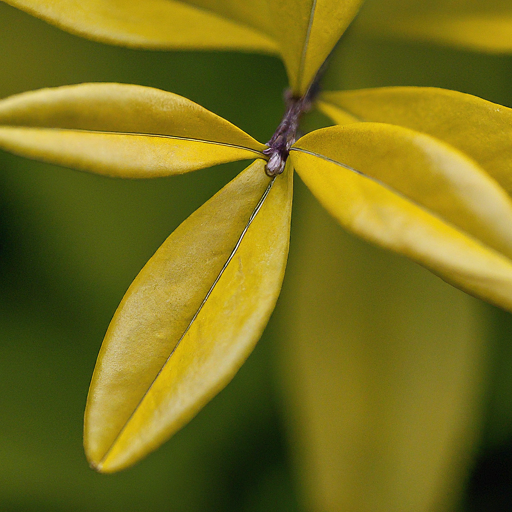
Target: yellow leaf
(158, 24)
(384, 375)
(255, 14)
(479, 128)
(476, 24)
(120, 130)
(417, 196)
(307, 31)
(303, 32)
(189, 320)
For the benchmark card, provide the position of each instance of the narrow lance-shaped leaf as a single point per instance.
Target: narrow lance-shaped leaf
(158, 24)
(417, 196)
(479, 128)
(190, 319)
(484, 25)
(307, 31)
(120, 130)
(384, 399)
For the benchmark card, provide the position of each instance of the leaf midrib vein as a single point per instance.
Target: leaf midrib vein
(253, 215)
(302, 63)
(136, 134)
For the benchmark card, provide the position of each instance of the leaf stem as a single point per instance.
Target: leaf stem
(286, 133)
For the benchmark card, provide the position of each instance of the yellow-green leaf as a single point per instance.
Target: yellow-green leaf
(159, 24)
(255, 14)
(385, 370)
(120, 130)
(189, 320)
(479, 128)
(415, 195)
(307, 31)
(484, 25)
(303, 32)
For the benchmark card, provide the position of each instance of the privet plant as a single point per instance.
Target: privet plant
(424, 172)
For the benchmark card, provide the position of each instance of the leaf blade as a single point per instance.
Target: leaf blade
(477, 127)
(153, 24)
(377, 205)
(165, 289)
(120, 130)
(400, 377)
(255, 14)
(119, 155)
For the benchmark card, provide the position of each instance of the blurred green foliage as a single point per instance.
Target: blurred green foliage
(71, 243)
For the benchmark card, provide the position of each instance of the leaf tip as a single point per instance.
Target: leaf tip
(101, 467)
(95, 466)
(95, 460)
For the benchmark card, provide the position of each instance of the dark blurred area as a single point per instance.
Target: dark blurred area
(70, 244)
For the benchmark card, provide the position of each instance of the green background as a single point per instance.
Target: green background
(70, 244)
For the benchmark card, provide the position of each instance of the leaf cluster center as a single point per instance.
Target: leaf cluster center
(286, 133)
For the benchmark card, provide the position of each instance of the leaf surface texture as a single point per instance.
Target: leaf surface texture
(120, 130)
(255, 14)
(417, 196)
(174, 342)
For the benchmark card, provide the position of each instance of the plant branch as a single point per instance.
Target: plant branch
(286, 133)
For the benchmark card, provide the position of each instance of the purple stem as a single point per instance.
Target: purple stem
(286, 133)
